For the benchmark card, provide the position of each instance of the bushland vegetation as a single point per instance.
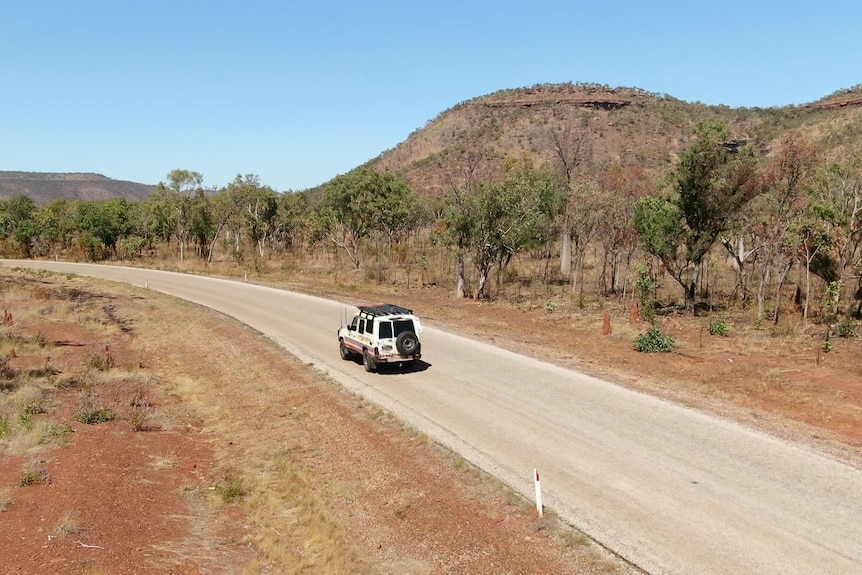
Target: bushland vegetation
(727, 225)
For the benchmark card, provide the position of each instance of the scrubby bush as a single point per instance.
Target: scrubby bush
(653, 340)
(844, 328)
(231, 486)
(91, 411)
(719, 327)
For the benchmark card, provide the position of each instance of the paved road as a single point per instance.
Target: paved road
(670, 489)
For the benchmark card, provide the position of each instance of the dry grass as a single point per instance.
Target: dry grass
(25, 428)
(68, 525)
(289, 524)
(34, 472)
(294, 528)
(166, 461)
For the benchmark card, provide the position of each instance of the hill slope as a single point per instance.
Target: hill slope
(44, 187)
(610, 125)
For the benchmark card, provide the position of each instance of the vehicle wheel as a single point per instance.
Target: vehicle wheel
(407, 343)
(368, 362)
(342, 349)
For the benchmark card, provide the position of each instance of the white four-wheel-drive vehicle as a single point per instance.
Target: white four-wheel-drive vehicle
(384, 333)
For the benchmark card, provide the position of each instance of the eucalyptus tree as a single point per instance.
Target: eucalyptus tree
(659, 225)
(787, 179)
(144, 228)
(619, 187)
(713, 180)
(837, 191)
(462, 178)
(101, 224)
(741, 243)
(17, 223)
(55, 228)
(812, 238)
(570, 144)
(227, 207)
(584, 214)
(395, 207)
(259, 210)
(173, 200)
(396, 212)
(505, 217)
(202, 227)
(359, 203)
(292, 219)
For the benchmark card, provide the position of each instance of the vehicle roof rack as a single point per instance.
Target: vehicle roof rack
(385, 309)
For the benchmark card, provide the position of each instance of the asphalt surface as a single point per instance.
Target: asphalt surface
(668, 488)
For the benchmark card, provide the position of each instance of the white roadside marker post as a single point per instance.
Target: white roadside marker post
(538, 492)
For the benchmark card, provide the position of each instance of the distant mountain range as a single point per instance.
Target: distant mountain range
(44, 187)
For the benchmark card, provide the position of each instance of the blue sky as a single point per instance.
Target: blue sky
(299, 92)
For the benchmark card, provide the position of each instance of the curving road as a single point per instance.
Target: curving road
(668, 488)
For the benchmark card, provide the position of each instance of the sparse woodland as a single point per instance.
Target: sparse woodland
(576, 196)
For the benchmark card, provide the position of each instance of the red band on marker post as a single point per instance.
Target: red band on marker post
(539, 507)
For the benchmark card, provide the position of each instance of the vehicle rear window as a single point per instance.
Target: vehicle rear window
(385, 329)
(402, 325)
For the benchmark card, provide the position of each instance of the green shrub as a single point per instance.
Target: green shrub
(29, 412)
(58, 432)
(231, 486)
(845, 328)
(719, 327)
(644, 286)
(25, 418)
(92, 414)
(653, 340)
(91, 411)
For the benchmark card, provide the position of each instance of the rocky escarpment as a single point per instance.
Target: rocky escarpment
(43, 187)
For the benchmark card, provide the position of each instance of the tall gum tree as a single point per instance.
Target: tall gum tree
(176, 198)
(713, 180)
(619, 187)
(838, 192)
(462, 180)
(357, 204)
(787, 178)
(502, 218)
(571, 148)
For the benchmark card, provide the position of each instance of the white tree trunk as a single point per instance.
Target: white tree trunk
(566, 254)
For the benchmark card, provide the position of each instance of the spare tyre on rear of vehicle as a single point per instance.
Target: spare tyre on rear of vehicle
(407, 343)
